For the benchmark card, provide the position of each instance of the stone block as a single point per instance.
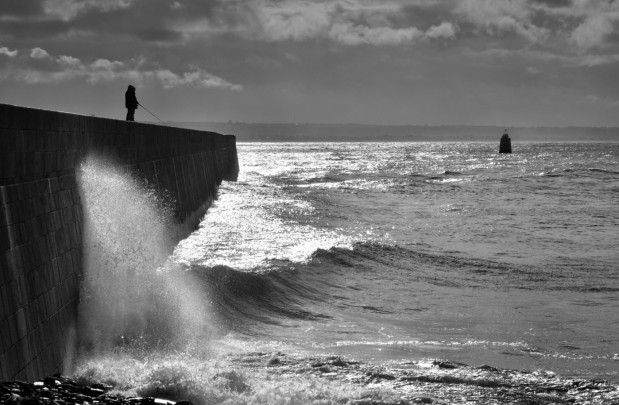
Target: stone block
(4, 315)
(7, 135)
(49, 162)
(12, 327)
(8, 166)
(5, 241)
(26, 255)
(53, 184)
(30, 370)
(6, 266)
(12, 193)
(20, 317)
(42, 250)
(4, 370)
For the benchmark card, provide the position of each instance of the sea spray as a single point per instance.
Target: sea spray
(131, 293)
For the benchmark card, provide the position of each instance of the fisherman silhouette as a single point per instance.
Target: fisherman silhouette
(131, 102)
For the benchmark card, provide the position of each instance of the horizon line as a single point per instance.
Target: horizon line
(508, 127)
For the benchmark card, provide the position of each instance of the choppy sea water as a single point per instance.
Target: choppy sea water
(446, 264)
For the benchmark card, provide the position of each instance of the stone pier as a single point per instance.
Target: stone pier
(41, 216)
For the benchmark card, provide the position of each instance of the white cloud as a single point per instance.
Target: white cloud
(6, 51)
(293, 21)
(533, 70)
(196, 78)
(68, 9)
(38, 53)
(444, 30)
(596, 60)
(595, 28)
(349, 34)
(501, 16)
(591, 22)
(348, 22)
(64, 68)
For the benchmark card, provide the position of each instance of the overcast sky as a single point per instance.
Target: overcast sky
(489, 62)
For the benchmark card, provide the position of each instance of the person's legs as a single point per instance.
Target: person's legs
(130, 113)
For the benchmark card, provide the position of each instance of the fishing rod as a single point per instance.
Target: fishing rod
(148, 111)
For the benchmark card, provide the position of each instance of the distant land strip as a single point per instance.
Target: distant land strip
(258, 132)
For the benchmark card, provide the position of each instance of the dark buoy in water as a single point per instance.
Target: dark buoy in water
(506, 144)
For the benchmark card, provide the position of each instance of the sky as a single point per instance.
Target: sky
(419, 62)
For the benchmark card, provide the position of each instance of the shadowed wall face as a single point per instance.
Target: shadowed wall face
(41, 215)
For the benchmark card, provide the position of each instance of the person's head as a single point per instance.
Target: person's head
(130, 88)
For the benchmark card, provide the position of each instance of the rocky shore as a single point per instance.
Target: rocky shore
(62, 390)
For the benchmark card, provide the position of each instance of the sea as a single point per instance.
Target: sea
(362, 273)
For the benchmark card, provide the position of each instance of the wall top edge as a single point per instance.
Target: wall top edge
(28, 118)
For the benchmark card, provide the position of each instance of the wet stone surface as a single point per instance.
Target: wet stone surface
(61, 390)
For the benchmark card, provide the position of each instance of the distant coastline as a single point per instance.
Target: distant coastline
(262, 132)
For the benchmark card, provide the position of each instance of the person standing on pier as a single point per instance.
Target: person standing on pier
(131, 102)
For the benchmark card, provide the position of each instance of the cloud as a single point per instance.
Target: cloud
(192, 29)
(196, 78)
(38, 53)
(533, 70)
(66, 68)
(597, 60)
(68, 9)
(350, 22)
(349, 34)
(6, 51)
(296, 21)
(444, 30)
(588, 23)
(596, 27)
(498, 17)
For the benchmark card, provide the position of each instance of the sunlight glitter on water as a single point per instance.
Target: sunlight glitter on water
(250, 236)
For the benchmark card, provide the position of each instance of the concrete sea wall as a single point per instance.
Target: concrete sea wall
(41, 216)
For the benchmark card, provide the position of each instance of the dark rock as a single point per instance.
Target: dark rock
(51, 381)
(14, 399)
(486, 367)
(233, 381)
(45, 393)
(92, 392)
(32, 401)
(338, 362)
(380, 376)
(448, 365)
(70, 387)
(273, 361)
(184, 403)
(101, 386)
